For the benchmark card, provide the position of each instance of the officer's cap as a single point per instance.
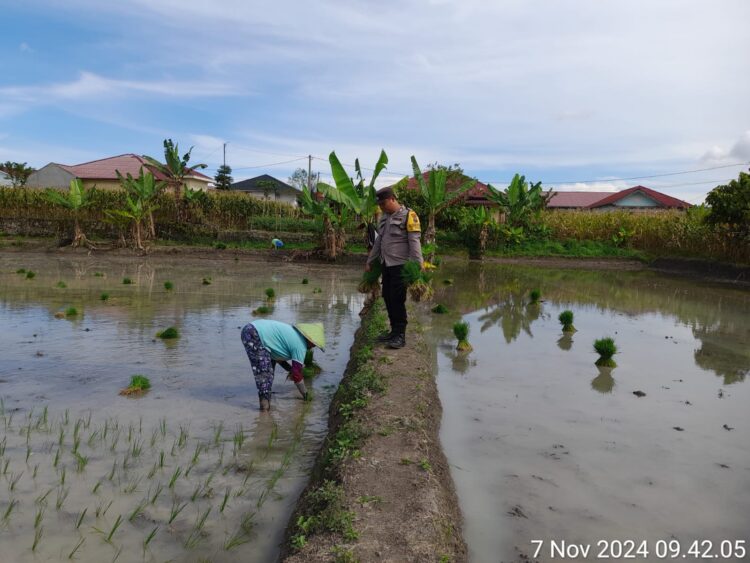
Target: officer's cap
(385, 193)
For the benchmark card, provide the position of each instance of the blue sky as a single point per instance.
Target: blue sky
(560, 91)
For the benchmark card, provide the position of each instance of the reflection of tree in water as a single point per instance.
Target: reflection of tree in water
(604, 382)
(565, 342)
(513, 315)
(722, 351)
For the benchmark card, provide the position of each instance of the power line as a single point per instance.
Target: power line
(269, 164)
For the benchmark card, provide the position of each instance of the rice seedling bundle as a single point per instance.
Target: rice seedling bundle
(566, 320)
(371, 279)
(440, 309)
(139, 384)
(168, 333)
(606, 348)
(534, 295)
(418, 282)
(126, 281)
(168, 285)
(262, 310)
(270, 294)
(461, 332)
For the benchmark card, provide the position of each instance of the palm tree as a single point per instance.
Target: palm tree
(435, 195)
(76, 199)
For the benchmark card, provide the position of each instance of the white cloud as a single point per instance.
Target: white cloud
(738, 153)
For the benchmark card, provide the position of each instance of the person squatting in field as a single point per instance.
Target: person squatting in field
(268, 343)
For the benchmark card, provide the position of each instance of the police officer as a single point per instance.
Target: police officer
(398, 242)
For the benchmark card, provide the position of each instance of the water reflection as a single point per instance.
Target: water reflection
(565, 342)
(604, 382)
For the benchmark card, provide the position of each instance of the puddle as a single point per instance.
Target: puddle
(544, 445)
(197, 429)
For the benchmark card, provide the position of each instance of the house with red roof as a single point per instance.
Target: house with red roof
(103, 173)
(637, 198)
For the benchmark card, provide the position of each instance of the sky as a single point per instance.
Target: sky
(579, 94)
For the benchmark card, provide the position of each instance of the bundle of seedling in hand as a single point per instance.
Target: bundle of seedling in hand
(371, 278)
(418, 281)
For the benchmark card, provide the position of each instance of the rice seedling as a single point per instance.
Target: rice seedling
(96, 487)
(132, 486)
(152, 471)
(37, 537)
(534, 295)
(13, 481)
(196, 535)
(161, 459)
(127, 281)
(147, 540)
(21, 271)
(182, 438)
(418, 281)
(218, 429)
(461, 332)
(114, 528)
(62, 476)
(81, 516)
(225, 500)
(117, 555)
(114, 442)
(62, 495)
(270, 294)
(439, 309)
(175, 475)
(370, 281)
(262, 310)
(238, 439)
(81, 462)
(153, 497)
(566, 320)
(36, 470)
(305, 281)
(42, 499)
(72, 554)
(61, 285)
(317, 290)
(168, 333)
(606, 348)
(28, 453)
(102, 508)
(5, 467)
(39, 516)
(66, 418)
(112, 471)
(92, 438)
(136, 448)
(30, 275)
(138, 510)
(206, 281)
(310, 364)
(9, 509)
(104, 296)
(163, 427)
(71, 312)
(196, 492)
(168, 285)
(176, 509)
(196, 454)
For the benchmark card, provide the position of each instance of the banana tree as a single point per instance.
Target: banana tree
(435, 195)
(75, 200)
(521, 202)
(360, 197)
(333, 216)
(175, 170)
(140, 203)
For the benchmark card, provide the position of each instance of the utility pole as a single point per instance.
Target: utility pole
(309, 171)
(225, 155)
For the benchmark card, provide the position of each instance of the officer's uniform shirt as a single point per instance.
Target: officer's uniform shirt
(399, 238)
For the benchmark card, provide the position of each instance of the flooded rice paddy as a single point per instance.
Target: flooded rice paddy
(190, 471)
(544, 445)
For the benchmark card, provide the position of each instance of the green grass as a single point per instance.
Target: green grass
(569, 249)
(168, 333)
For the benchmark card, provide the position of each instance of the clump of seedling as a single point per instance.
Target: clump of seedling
(371, 278)
(21, 271)
(30, 275)
(220, 246)
(71, 312)
(317, 290)
(207, 281)
(139, 384)
(127, 281)
(305, 281)
(606, 348)
(262, 310)
(440, 309)
(104, 296)
(418, 281)
(168, 333)
(448, 281)
(461, 332)
(270, 294)
(534, 296)
(168, 285)
(311, 367)
(98, 275)
(566, 320)
(61, 285)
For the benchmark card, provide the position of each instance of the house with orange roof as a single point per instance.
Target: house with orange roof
(103, 173)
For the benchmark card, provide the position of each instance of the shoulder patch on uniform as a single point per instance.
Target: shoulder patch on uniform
(412, 223)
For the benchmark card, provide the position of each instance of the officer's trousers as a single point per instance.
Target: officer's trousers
(394, 295)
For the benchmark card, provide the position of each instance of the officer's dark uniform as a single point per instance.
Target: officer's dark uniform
(398, 242)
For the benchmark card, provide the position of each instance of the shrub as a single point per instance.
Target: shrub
(461, 332)
(168, 285)
(168, 333)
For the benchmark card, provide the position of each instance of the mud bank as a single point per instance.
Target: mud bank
(381, 488)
